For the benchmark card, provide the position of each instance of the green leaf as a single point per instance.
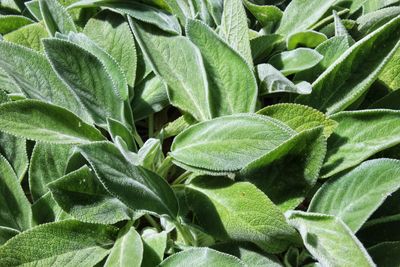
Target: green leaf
(15, 208)
(292, 169)
(6, 234)
(300, 15)
(37, 79)
(273, 81)
(228, 95)
(129, 182)
(268, 16)
(55, 17)
(115, 128)
(309, 39)
(229, 143)
(294, 61)
(67, 243)
(372, 21)
(82, 196)
(29, 36)
(13, 149)
(44, 122)
(180, 65)
(329, 240)
(348, 78)
(127, 250)
(380, 230)
(111, 32)
(390, 74)
(87, 77)
(227, 210)
(154, 244)
(234, 28)
(299, 117)
(151, 154)
(201, 257)
(358, 136)
(9, 23)
(354, 196)
(46, 210)
(386, 254)
(263, 45)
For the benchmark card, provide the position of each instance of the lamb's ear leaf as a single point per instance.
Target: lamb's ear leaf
(228, 96)
(87, 77)
(35, 31)
(267, 15)
(353, 191)
(112, 33)
(389, 75)
(9, 23)
(15, 208)
(372, 21)
(229, 143)
(310, 39)
(300, 15)
(6, 234)
(46, 210)
(348, 78)
(300, 59)
(226, 210)
(127, 250)
(299, 117)
(40, 121)
(142, 12)
(116, 128)
(263, 45)
(128, 182)
(386, 254)
(292, 168)
(34, 8)
(179, 63)
(66, 243)
(321, 235)
(380, 230)
(234, 28)
(358, 136)
(56, 18)
(154, 243)
(82, 196)
(37, 80)
(203, 256)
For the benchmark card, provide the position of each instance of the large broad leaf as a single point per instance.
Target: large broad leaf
(111, 32)
(180, 65)
(299, 117)
(229, 143)
(67, 243)
(82, 196)
(37, 79)
(29, 36)
(48, 163)
(40, 121)
(354, 196)
(15, 208)
(359, 135)
(201, 257)
(227, 210)
(56, 17)
(9, 23)
(300, 15)
(234, 28)
(129, 182)
(386, 254)
(287, 173)
(127, 250)
(348, 78)
(329, 240)
(234, 88)
(87, 77)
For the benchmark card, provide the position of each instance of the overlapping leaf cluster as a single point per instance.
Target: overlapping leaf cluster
(199, 132)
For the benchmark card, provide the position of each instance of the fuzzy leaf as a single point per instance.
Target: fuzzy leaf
(55, 17)
(268, 16)
(29, 36)
(154, 244)
(9, 23)
(309, 39)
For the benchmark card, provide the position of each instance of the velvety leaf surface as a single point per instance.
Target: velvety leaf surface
(29, 36)
(390, 74)
(267, 15)
(154, 244)
(309, 39)
(9, 23)
(229, 143)
(44, 122)
(67, 243)
(321, 235)
(238, 211)
(359, 135)
(55, 17)
(46, 210)
(354, 196)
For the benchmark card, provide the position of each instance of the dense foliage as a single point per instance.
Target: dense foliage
(200, 133)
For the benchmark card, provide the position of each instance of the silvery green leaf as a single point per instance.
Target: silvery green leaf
(267, 15)
(9, 23)
(372, 21)
(154, 244)
(310, 39)
(151, 154)
(55, 17)
(29, 36)
(46, 210)
(263, 45)
(116, 128)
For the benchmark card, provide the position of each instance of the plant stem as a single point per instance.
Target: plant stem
(151, 125)
(187, 236)
(153, 222)
(165, 166)
(181, 178)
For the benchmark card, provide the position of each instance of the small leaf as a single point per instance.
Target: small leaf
(82, 196)
(46, 210)
(67, 243)
(129, 182)
(228, 95)
(329, 240)
(294, 61)
(359, 135)
(390, 74)
(309, 39)
(151, 154)
(115, 128)
(227, 210)
(9, 23)
(201, 257)
(263, 45)
(229, 143)
(29, 36)
(44, 122)
(268, 16)
(55, 17)
(154, 246)
(358, 193)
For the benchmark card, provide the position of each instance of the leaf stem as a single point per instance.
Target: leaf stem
(181, 178)
(186, 235)
(153, 222)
